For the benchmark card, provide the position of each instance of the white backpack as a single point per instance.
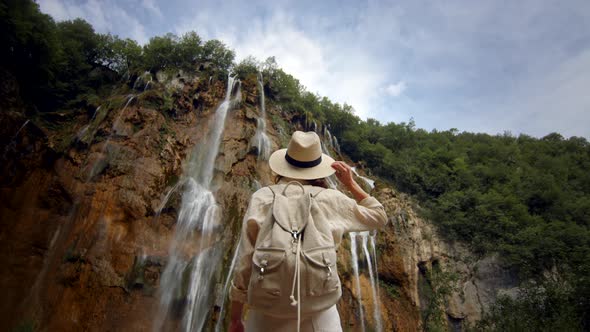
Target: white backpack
(294, 262)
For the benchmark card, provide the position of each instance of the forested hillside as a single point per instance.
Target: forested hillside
(525, 198)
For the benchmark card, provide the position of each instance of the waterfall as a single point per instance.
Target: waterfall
(328, 137)
(330, 179)
(357, 281)
(12, 144)
(369, 182)
(83, 131)
(256, 184)
(46, 261)
(115, 128)
(226, 284)
(371, 261)
(196, 251)
(162, 205)
(141, 79)
(336, 145)
(260, 140)
(96, 167)
(20, 129)
(373, 241)
(376, 307)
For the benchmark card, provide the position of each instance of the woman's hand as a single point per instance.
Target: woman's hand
(236, 326)
(344, 174)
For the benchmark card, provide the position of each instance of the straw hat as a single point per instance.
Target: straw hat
(302, 159)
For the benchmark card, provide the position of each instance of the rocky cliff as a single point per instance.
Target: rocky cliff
(89, 201)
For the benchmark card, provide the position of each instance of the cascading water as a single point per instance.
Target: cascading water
(12, 143)
(20, 129)
(357, 281)
(98, 165)
(256, 184)
(369, 182)
(83, 131)
(148, 83)
(260, 139)
(330, 179)
(115, 130)
(372, 241)
(336, 145)
(226, 284)
(371, 262)
(162, 205)
(141, 79)
(186, 287)
(372, 277)
(328, 137)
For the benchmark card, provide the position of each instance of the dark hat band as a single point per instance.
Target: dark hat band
(303, 164)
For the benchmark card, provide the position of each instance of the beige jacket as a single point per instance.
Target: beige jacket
(341, 213)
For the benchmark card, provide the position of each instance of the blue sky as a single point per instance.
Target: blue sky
(479, 66)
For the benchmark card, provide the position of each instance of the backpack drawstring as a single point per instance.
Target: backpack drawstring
(297, 278)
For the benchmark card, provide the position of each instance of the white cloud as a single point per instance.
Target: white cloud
(55, 8)
(475, 66)
(554, 101)
(395, 90)
(152, 7)
(105, 16)
(350, 76)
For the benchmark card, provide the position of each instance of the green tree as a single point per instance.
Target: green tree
(216, 53)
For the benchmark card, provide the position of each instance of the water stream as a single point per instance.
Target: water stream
(20, 129)
(83, 131)
(260, 139)
(373, 280)
(100, 163)
(336, 145)
(372, 241)
(370, 259)
(12, 144)
(357, 280)
(142, 79)
(224, 292)
(116, 124)
(187, 282)
(369, 182)
(331, 180)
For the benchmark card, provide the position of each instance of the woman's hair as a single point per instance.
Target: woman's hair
(315, 182)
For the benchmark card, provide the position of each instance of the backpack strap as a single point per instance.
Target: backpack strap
(283, 217)
(293, 182)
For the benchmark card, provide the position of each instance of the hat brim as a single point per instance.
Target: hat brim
(279, 165)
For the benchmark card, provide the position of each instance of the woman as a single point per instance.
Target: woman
(329, 210)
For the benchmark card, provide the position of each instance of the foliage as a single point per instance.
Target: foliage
(523, 197)
(54, 63)
(538, 307)
(215, 52)
(119, 55)
(438, 286)
(392, 289)
(247, 68)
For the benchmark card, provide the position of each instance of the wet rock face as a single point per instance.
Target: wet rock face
(86, 229)
(416, 249)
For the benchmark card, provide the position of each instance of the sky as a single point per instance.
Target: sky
(480, 66)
